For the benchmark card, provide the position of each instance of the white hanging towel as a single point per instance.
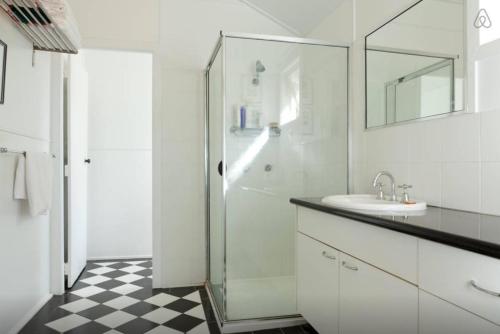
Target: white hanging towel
(39, 182)
(20, 179)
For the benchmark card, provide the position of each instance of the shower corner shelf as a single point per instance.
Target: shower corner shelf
(254, 132)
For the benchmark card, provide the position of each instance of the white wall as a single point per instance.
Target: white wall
(452, 162)
(338, 26)
(24, 125)
(120, 146)
(112, 24)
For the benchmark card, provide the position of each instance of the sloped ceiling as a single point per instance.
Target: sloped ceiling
(298, 16)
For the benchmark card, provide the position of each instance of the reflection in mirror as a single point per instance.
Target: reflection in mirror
(415, 64)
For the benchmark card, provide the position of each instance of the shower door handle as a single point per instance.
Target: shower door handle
(219, 168)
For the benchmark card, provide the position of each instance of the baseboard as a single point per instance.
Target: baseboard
(31, 313)
(130, 257)
(245, 326)
(184, 285)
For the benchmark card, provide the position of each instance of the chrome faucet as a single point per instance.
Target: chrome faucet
(377, 184)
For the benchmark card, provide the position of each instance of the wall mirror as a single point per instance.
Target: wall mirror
(415, 64)
(3, 66)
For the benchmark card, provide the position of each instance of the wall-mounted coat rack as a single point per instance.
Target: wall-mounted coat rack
(49, 24)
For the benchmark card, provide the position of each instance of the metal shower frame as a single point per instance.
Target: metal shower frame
(220, 46)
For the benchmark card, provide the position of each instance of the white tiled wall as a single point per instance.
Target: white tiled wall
(440, 158)
(183, 178)
(451, 162)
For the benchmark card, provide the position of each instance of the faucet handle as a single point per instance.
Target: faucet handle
(405, 197)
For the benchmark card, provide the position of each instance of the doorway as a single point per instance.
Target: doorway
(114, 141)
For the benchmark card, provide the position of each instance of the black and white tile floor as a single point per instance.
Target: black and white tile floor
(116, 297)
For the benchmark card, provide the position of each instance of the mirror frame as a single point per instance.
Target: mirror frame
(3, 49)
(466, 85)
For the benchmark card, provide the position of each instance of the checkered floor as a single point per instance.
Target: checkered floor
(116, 297)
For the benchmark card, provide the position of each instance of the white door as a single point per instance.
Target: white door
(77, 103)
(374, 302)
(318, 284)
(440, 317)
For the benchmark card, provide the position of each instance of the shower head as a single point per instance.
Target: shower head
(259, 67)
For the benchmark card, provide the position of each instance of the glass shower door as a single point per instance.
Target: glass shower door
(285, 136)
(215, 202)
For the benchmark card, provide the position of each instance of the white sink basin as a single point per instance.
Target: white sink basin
(371, 204)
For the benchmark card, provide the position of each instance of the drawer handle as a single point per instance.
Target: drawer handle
(477, 287)
(331, 257)
(350, 267)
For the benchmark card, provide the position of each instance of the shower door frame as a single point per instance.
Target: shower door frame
(220, 47)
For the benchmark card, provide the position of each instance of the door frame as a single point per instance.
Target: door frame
(57, 144)
(57, 148)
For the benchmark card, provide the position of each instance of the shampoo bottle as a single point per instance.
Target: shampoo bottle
(243, 117)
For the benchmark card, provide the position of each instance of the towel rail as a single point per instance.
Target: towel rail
(6, 150)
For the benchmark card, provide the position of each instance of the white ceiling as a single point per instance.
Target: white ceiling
(298, 16)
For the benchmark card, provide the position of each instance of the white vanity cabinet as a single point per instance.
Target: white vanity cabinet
(335, 290)
(357, 278)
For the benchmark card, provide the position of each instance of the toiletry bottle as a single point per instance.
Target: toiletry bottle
(243, 117)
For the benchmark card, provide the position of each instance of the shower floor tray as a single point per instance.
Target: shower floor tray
(261, 298)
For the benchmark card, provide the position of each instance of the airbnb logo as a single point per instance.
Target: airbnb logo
(482, 19)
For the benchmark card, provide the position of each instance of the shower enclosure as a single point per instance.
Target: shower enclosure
(276, 128)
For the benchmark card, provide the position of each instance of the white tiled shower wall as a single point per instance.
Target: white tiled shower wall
(452, 162)
(306, 161)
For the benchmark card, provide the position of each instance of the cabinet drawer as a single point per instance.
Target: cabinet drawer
(391, 251)
(438, 316)
(448, 272)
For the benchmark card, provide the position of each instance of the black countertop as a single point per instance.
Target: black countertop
(470, 231)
